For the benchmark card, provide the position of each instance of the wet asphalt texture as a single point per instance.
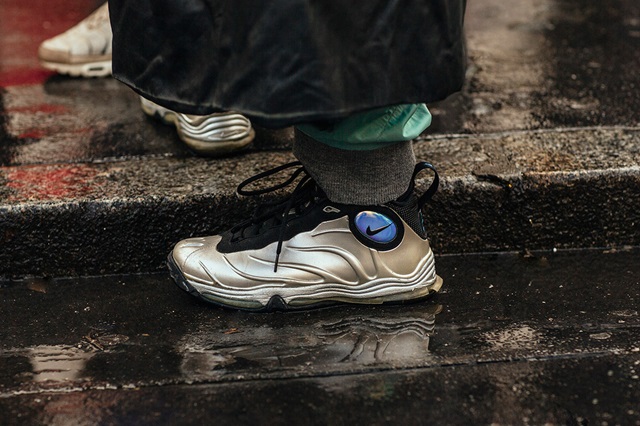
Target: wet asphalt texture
(548, 338)
(540, 150)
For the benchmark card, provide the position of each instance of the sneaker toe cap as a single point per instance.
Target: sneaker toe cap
(188, 254)
(52, 51)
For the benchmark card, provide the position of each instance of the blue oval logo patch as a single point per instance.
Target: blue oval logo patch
(376, 227)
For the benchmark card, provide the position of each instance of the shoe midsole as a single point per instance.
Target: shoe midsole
(91, 69)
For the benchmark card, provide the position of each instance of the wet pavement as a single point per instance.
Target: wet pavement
(548, 338)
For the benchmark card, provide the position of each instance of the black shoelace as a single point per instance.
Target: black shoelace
(278, 213)
(303, 196)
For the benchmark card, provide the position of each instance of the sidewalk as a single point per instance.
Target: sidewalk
(511, 340)
(539, 157)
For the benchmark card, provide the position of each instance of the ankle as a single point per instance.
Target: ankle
(376, 176)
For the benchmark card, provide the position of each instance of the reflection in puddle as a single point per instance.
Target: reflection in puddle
(58, 363)
(370, 340)
(388, 336)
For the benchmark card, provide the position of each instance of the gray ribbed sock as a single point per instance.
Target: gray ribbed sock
(357, 177)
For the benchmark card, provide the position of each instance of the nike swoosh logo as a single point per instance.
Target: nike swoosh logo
(372, 232)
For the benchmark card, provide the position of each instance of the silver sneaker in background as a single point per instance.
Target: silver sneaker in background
(83, 50)
(211, 135)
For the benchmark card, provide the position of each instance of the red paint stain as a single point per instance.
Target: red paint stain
(33, 134)
(43, 108)
(23, 77)
(38, 134)
(50, 183)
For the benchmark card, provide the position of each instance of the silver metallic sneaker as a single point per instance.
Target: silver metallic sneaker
(309, 251)
(82, 51)
(212, 135)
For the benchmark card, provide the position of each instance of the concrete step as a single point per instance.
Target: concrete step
(521, 191)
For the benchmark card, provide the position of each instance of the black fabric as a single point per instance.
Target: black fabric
(410, 212)
(288, 61)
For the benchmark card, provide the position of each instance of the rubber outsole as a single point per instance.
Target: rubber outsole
(89, 70)
(277, 303)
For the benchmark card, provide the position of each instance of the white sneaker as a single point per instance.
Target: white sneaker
(214, 134)
(83, 50)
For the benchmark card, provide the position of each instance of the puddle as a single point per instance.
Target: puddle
(58, 363)
(397, 337)
(56, 366)
(39, 285)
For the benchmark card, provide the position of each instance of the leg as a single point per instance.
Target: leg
(372, 148)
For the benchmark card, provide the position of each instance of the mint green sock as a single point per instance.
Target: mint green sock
(372, 129)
